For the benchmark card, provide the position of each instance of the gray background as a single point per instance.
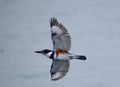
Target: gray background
(94, 26)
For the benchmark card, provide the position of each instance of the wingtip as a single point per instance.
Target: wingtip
(53, 22)
(56, 76)
(53, 18)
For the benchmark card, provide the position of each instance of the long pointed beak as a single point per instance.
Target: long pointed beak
(38, 52)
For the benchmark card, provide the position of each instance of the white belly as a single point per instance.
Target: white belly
(62, 57)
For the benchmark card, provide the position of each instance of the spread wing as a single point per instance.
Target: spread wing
(60, 36)
(61, 40)
(59, 68)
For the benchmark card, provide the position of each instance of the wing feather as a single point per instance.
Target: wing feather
(60, 36)
(59, 69)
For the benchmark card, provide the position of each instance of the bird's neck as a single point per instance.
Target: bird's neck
(50, 55)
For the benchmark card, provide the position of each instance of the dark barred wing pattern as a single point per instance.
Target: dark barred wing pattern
(60, 36)
(59, 69)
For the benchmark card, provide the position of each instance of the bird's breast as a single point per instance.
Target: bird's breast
(61, 55)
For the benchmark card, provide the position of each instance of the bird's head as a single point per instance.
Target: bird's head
(45, 52)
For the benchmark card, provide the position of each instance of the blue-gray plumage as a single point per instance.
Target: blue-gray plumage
(60, 54)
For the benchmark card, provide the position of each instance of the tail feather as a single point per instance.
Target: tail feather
(81, 57)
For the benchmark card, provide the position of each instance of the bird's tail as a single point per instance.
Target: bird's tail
(80, 57)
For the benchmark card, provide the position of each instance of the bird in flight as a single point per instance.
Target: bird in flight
(60, 54)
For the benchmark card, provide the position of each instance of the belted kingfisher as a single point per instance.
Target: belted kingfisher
(60, 54)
